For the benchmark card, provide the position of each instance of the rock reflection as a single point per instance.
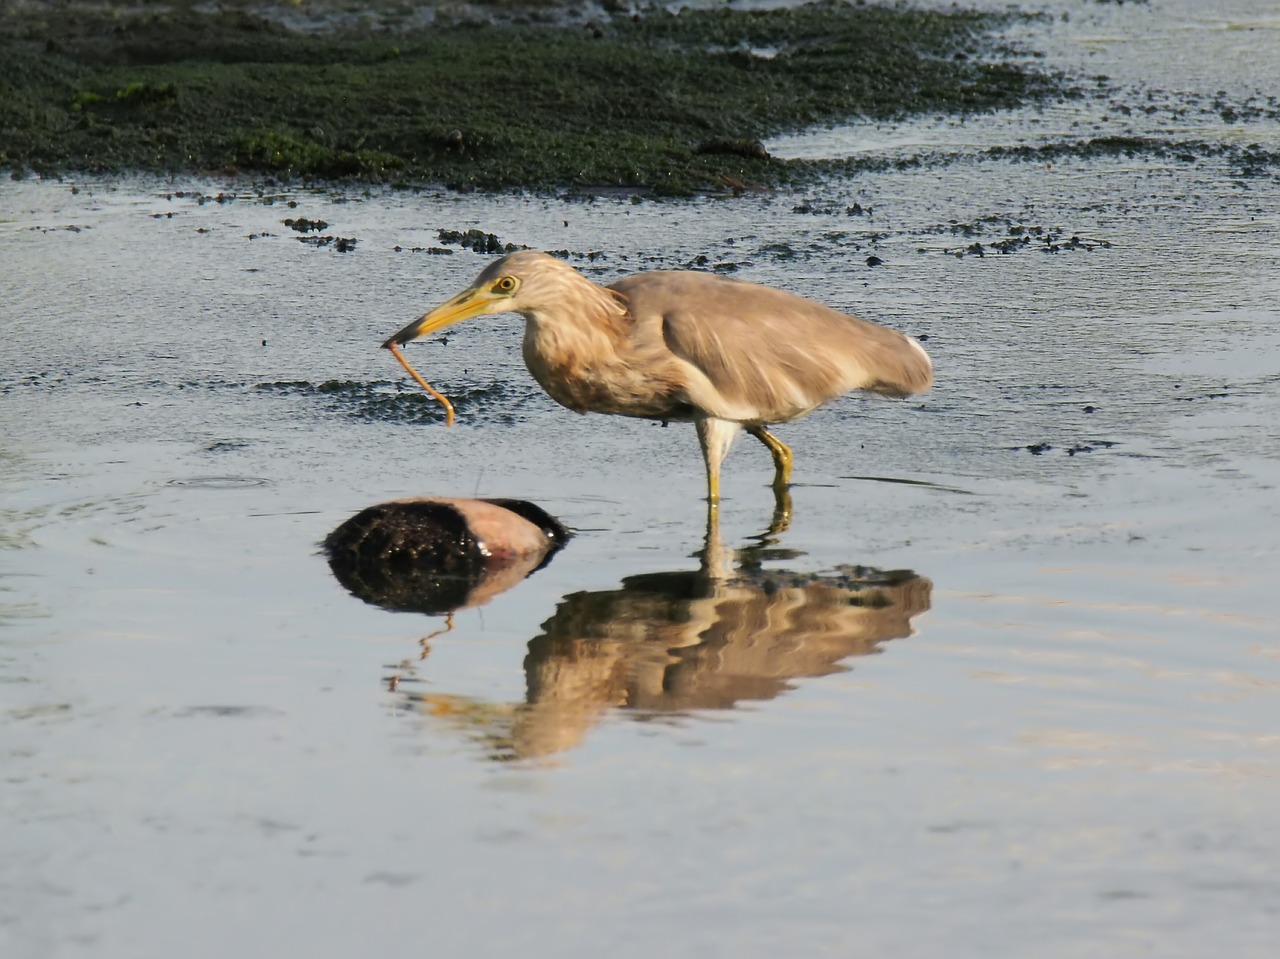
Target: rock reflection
(710, 638)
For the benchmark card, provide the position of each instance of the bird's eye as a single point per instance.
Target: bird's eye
(505, 285)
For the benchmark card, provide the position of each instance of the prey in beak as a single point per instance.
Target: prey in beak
(470, 302)
(465, 305)
(483, 296)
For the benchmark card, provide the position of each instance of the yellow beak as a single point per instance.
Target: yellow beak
(464, 306)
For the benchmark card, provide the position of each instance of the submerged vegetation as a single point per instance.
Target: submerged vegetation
(670, 102)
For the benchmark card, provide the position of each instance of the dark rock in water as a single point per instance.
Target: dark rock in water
(434, 555)
(477, 241)
(552, 528)
(303, 225)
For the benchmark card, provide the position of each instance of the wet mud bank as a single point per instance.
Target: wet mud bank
(536, 98)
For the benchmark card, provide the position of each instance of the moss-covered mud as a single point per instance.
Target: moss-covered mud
(670, 103)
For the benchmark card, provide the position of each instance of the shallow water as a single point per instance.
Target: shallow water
(209, 747)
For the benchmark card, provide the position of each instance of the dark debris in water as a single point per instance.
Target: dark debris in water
(827, 208)
(402, 402)
(226, 446)
(1088, 446)
(265, 192)
(340, 244)
(589, 256)
(781, 250)
(490, 243)
(1003, 236)
(707, 264)
(477, 241)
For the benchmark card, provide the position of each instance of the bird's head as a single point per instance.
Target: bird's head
(518, 283)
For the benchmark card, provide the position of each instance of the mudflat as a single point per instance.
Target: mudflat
(498, 96)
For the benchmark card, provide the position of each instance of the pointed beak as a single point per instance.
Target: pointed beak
(468, 303)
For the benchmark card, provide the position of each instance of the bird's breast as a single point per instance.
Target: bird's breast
(601, 380)
(572, 385)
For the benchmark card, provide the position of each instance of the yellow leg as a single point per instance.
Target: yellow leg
(781, 456)
(715, 437)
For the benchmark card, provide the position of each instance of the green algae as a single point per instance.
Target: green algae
(664, 102)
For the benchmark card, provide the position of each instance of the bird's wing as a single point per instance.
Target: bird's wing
(768, 355)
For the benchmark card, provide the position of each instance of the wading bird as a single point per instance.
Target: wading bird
(684, 346)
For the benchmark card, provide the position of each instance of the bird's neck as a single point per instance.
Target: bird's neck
(572, 345)
(584, 320)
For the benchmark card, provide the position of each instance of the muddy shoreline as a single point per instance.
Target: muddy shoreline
(644, 100)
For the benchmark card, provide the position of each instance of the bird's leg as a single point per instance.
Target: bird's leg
(715, 436)
(781, 457)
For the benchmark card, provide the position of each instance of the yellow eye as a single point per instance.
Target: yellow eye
(505, 285)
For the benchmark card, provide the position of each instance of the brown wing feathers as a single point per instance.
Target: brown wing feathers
(773, 352)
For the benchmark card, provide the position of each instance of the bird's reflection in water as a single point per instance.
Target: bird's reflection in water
(663, 643)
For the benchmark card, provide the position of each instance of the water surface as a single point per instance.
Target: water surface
(1056, 736)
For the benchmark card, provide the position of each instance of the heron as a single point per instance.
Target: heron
(686, 346)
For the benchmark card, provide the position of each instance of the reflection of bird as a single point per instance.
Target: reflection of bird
(698, 639)
(672, 345)
(671, 642)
